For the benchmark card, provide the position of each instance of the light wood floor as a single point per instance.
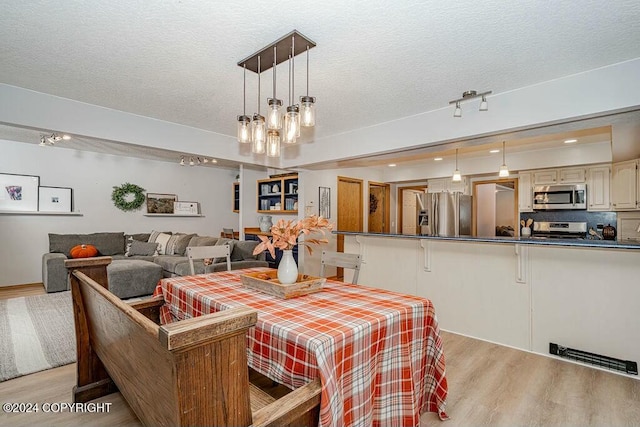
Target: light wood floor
(27, 290)
(488, 385)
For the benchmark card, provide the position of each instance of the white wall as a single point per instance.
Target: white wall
(24, 238)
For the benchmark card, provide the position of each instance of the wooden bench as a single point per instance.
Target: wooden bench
(192, 372)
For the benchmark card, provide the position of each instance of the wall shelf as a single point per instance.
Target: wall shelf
(40, 213)
(281, 192)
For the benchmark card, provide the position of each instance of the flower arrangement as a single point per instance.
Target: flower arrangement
(284, 234)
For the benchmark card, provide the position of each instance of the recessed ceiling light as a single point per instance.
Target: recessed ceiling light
(392, 165)
(570, 141)
(494, 151)
(66, 137)
(437, 159)
(214, 161)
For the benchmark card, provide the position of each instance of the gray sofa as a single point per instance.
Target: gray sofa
(136, 273)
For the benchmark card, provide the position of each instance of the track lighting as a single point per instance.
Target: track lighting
(470, 94)
(52, 139)
(456, 174)
(182, 161)
(191, 162)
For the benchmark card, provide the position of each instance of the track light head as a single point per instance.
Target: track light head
(458, 111)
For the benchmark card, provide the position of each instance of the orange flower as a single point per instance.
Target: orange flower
(284, 234)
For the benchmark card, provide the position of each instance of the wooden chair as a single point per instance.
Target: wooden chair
(206, 252)
(190, 372)
(343, 260)
(227, 232)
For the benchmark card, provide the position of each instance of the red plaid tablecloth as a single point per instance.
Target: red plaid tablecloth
(378, 353)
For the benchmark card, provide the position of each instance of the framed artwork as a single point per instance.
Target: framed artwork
(186, 208)
(55, 199)
(160, 203)
(19, 193)
(324, 199)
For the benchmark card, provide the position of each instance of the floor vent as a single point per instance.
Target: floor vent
(607, 362)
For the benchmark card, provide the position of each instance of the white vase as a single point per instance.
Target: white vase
(287, 269)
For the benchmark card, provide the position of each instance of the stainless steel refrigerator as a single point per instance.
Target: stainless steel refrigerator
(450, 214)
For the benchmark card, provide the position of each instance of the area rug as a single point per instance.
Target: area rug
(36, 333)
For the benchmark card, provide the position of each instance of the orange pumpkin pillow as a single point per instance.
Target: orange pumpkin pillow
(83, 251)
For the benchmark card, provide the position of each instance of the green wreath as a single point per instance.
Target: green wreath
(120, 193)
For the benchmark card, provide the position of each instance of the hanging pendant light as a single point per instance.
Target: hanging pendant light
(504, 170)
(290, 135)
(274, 117)
(258, 126)
(307, 103)
(244, 121)
(456, 174)
(273, 143)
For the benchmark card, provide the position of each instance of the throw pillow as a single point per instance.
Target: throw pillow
(162, 239)
(136, 247)
(222, 241)
(83, 251)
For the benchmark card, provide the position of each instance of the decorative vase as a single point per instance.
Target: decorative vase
(265, 223)
(287, 269)
(526, 232)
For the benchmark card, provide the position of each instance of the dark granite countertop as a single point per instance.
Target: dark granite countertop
(582, 243)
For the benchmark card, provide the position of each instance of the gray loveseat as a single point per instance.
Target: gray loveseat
(135, 272)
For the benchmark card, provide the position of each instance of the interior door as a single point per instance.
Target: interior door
(409, 212)
(350, 210)
(379, 194)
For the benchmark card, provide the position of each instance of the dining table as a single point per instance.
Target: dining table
(378, 353)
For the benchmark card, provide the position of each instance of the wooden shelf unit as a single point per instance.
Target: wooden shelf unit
(282, 190)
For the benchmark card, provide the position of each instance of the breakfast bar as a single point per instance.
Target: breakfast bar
(524, 293)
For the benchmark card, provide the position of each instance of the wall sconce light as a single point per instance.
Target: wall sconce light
(456, 174)
(470, 94)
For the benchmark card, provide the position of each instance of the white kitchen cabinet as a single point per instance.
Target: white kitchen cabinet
(572, 175)
(544, 177)
(598, 188)
(440, 185)
(525, 197)
(624, 188)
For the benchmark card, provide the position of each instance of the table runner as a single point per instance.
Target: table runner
(378, 353)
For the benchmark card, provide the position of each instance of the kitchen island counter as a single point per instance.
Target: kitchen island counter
(524, 293)
(585, 243)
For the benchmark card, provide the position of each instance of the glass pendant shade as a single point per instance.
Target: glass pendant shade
(504, 171)
(273, 143)
(458, 111)
(308, 111)
(483, 104)
(258, 134)
(456, 176)
(274, 117)
(291, 127)
(244, 129)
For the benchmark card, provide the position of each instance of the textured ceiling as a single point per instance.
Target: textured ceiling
(375, 60)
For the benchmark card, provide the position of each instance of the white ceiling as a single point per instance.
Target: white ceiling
(375, 60)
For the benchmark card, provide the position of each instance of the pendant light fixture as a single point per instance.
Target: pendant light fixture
(307, 103)
(274, 117)
(504, 170)
(244, 121)
(456, 174)
(261, 135)
(258, 127)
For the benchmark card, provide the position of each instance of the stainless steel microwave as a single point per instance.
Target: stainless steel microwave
(550, 197)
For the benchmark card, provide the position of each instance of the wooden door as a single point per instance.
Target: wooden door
(379, 195)
(350, 210)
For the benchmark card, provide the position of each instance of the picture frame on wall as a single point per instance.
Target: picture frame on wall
(158, 203)
(186, 208)
(19, 193)
(55, 199)
(324, 202)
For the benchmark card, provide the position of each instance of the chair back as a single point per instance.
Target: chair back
(343, 260)
(227, 232)
(203, 252)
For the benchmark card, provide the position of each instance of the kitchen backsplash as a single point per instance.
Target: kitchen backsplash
(591, 218)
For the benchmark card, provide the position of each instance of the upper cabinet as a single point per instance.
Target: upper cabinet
(598, 188)
(525, 195)
(625, 186)
(278, 195)
(560, 176)
(440, 185)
